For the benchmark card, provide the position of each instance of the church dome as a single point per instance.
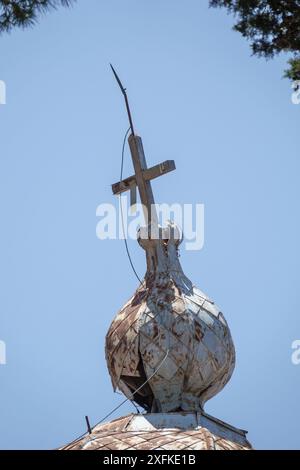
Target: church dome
(170, 336)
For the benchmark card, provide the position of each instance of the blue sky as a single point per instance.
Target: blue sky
(226, 118)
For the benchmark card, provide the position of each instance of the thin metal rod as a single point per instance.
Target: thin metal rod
(125, 97)
(88, 424)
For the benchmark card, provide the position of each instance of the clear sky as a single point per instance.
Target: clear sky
(226, 118)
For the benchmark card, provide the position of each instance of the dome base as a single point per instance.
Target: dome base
(163, 431)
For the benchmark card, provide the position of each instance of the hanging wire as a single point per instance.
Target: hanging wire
(121, 211)
(131, 401)
(137, 390)
(122, 403)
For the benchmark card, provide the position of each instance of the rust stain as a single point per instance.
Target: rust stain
(116, 436)
(166, 316)
(198, 332)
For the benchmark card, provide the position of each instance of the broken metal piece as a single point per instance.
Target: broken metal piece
(88, 425)
(125, 97)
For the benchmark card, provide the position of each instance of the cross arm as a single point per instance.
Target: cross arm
(148, 174)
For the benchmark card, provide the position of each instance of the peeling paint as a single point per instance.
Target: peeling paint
(166, 431)
(167, 314)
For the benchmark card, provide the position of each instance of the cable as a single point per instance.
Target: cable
(122, 403)
(123, 150)
(132, 402)
(137, 390)
(121, 211)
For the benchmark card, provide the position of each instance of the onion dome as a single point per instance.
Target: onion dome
(170, 336)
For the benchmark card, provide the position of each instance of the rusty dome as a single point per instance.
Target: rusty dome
(169, 336)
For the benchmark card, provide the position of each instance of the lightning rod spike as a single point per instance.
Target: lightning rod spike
(125, 97)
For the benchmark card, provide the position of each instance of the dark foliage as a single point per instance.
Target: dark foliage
(24, 13)
(272, 26)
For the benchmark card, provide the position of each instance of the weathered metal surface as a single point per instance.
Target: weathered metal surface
(172, 328)
(169, 348)
(148, 174)
(166, 431)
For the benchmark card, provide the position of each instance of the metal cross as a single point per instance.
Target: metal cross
(143, 175)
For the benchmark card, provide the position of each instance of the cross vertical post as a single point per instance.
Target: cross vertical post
(144, 186)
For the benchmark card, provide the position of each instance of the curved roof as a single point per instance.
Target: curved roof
(163, 431)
